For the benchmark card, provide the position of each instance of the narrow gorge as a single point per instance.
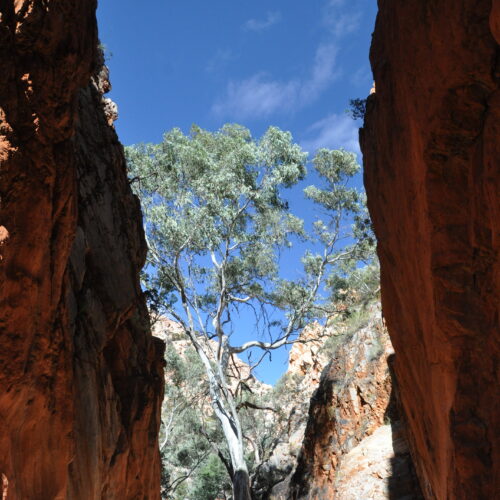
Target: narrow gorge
(400, 401)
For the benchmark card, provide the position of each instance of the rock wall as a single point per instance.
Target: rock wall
(349, 404)
(80, 375)
(431, 148)
(378, 468)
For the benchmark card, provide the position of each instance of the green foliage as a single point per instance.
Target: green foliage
(184, 447)
(210, 481)
(345, 329)
(357, 109)
(182, 492)
(332, 344)
(354, 295)
(287, 385)
(106, 53)
(207, 192)
(216, 219)
(359, 287)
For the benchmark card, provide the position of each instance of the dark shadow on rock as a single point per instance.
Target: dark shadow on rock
(403, 482)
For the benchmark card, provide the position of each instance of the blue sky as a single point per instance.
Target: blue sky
(290, 63)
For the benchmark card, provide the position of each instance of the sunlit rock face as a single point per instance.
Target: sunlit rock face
(328, 451)
(350, 403)
(431, 147)
(378, 468)
(307, 358)
(80, 375)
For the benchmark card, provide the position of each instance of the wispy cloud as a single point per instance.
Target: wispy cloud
(256, 96)
(262, 96)
(333, 132)
(323, 73)
(262, 24)
(219, 60)
(338, 21)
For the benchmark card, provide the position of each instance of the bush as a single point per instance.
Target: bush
(210, 481)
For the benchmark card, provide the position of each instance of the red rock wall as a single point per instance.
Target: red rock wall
(431, 146)
(80, 374)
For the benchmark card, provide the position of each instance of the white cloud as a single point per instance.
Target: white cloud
(333, 132)
(257, 96)
(338, 21)
(323, 73)
(263, 24)
(261, 96)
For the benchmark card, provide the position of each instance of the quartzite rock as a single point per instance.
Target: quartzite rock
(431, 148)
(80, 374)
(349, 404)
(378, 468)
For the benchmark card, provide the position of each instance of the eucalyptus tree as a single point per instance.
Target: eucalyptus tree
(216, 224)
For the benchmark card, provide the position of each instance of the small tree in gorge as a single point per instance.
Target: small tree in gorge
(216, 223)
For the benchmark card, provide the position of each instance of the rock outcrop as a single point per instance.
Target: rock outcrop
(431, 147)
(348, 441)
(307, 357)
(80, 374)
(378, 468)
(349, 404)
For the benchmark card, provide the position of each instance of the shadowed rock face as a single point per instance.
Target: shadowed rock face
(431, 148)
(80, 374)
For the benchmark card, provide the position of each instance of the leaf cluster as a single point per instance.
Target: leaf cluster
(214, 213)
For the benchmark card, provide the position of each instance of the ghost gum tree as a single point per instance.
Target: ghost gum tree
(216, 224)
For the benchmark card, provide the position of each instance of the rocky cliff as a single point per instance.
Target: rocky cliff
(431, 148)
(80, 374)
(348, 441)
(353, 401)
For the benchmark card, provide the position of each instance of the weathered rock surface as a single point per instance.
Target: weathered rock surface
(431, 146)
(349, 404)
(307, 358)
(80, 375)
(325, 452)
(378, 468)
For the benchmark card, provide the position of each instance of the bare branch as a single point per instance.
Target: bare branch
(242, 300)
(248, 404)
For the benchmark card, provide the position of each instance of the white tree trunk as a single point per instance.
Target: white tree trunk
(234, 439)
(225, 410)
